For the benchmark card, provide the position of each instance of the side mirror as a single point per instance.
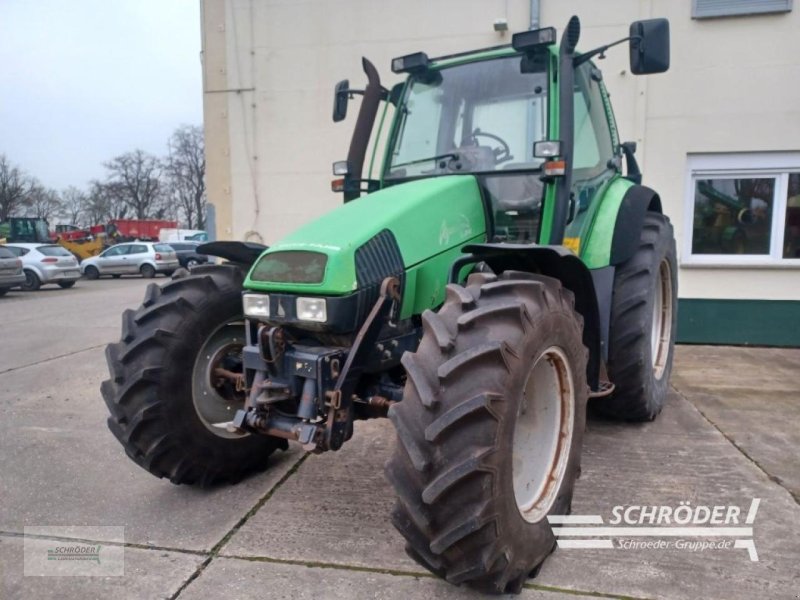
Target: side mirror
(341, 95)
(649, 46)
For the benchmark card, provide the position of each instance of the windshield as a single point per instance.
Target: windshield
(476, 117)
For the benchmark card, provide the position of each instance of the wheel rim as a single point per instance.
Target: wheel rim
(662, 320)
(30, 280)
(191, 263)
(543, 434)
(215, 398)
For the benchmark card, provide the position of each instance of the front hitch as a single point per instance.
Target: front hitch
(314, 379)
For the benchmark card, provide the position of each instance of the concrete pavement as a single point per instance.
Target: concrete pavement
(318, 527)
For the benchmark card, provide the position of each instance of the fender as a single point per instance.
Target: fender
(616, 224)
(636, 202)
(243, 253)
(553, 261)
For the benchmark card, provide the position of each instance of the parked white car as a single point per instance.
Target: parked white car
(46, 263)
(145, 258)
(168, 235)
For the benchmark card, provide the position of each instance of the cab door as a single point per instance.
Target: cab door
(596, 160)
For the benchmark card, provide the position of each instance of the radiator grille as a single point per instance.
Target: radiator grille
(376, 260)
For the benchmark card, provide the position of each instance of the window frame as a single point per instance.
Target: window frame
(778, 165)
(738, 8)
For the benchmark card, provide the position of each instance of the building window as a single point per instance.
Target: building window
(743, 209)
(704, 9)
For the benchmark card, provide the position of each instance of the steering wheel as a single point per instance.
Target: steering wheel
(502, 154)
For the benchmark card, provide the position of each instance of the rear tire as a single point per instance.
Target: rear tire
(66, 284)
(644, 318)
(91, 273)
(475, 478)
(116, 276)
(162, 402)
(147, 271)
(32, 282)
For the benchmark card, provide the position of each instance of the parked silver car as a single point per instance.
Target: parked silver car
(11, 274)
(46, 263)
(146, 258)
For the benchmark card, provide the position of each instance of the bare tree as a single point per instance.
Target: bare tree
(14, 188)
(73, 202)
(43, 203)
(185, 169)
(137, 177)
(104, 202)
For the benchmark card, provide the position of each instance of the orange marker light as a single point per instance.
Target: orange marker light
(555, 168)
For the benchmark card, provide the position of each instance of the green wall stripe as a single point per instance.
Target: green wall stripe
(756, 322)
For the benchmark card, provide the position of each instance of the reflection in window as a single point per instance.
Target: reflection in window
(733, 215)
(791, 237)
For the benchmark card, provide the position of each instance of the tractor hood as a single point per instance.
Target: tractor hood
(363, 241)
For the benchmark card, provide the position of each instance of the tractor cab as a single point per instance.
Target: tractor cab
(480, 118)
(531, 121)
(25, 230)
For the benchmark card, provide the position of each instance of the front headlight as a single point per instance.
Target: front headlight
(312, 309)
(256, 305)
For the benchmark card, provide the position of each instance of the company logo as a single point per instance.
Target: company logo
(73, 551)
(456, 230)
(83, 552)
(683, 527)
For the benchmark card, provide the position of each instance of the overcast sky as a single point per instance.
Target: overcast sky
(82, 81)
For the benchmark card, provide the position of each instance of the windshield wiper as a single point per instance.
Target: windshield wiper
(451, 155)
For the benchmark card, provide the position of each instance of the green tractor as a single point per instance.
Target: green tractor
(499, 272)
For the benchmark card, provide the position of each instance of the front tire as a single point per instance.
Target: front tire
(91, 273)
(644, 319)
(475, 477)
(163, 394)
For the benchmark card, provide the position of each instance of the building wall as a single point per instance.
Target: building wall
(270, 67)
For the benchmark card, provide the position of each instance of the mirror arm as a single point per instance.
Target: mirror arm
(579, 60)
(350, 93)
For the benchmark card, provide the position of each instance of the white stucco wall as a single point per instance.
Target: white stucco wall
(270, 67)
